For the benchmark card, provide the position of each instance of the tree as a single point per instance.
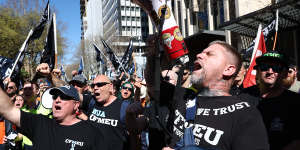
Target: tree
(14, 27)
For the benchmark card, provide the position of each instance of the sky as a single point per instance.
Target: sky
(68, 11)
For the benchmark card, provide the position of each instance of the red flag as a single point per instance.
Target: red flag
(251, 73)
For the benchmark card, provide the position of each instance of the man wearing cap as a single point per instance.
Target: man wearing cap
(65, 131)
(278, 106)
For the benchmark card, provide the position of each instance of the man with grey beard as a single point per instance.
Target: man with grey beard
(217, 119)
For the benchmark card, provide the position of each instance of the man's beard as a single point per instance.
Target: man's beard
(287, 82)
(11, 94)
(197, 80)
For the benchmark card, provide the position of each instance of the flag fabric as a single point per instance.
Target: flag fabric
(6, 65)
(126, 59)
(98, 55)
(131, 69)
(251, 73)
(266, 32)
(38, 30)
(48, 54)
(112, 57)
(63, 73)
(81, 66)
(127, 56)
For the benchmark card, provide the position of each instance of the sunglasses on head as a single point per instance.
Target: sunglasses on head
(126, 88)
(99, 84)
(62, 97)
(265, 67)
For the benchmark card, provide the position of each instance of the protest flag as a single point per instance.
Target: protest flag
(81, 66)
(112, 57)
(38, 30)
(98, 55)
(127, 55)
(49, 54)
(259, 49)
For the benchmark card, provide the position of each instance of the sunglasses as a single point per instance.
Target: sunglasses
(10, 87)
(126, 88)
(99, 84)
(62, 97)
(265, 67)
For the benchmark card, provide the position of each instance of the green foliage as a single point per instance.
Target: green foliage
(14, 28)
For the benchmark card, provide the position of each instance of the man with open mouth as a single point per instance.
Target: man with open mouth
(215, 119)
(65, 131)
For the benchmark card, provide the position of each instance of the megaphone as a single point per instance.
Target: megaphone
(171, 35)
(46, 99)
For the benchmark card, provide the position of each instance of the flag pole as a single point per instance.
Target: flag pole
(256, 43)
(276, 29)
(20, 52)
(55, 40)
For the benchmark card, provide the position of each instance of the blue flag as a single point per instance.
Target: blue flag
(81, 66)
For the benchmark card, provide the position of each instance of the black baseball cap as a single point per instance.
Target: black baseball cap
(68, 90)
(79, 79)
(272, 56)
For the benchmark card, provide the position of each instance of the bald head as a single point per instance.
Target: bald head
(102, 78)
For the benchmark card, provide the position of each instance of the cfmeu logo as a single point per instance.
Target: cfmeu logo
(74, 143)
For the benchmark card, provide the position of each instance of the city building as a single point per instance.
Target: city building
(116, 22)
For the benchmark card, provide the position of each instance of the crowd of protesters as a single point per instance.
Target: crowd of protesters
(204, 108)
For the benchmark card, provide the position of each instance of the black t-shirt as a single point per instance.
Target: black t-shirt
(221, 122)
(107, 120)
(280, 115)
(47, 134)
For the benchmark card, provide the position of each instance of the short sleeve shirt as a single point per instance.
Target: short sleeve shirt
(47, 134)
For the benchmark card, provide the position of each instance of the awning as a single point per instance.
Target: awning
(289, 18)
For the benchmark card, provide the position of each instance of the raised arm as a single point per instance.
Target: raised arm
(7, 109)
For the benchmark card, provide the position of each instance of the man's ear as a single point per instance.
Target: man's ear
(229, 70)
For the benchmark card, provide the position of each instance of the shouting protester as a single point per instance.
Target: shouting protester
(217, 119)
(65, 131)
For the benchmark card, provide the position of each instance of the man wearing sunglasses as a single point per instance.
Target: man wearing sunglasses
(65, 131)
(11, 89)
(278, 106)
(104, 112)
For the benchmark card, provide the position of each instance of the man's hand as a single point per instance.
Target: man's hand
(43, 69)
(56, 72)
(138, 82)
